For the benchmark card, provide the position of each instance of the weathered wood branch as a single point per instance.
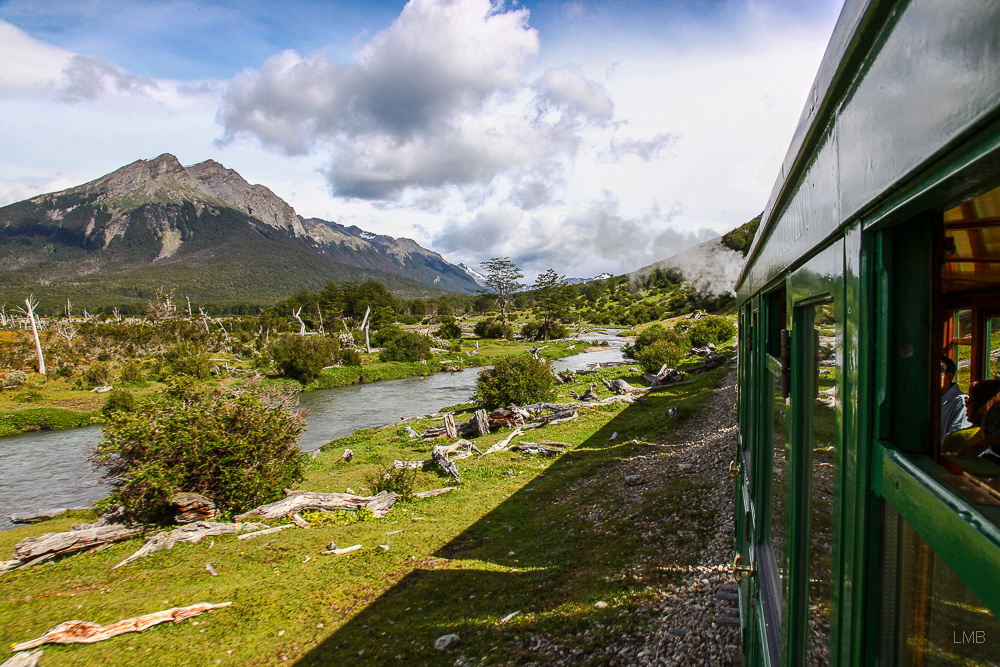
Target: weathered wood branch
(505, 443)
(35, 550)
(84, 632)
(190, 533)
(299, 501)
(434, 492)
(440, 457)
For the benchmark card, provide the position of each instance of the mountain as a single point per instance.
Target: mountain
(580, 281)
(405, 257)
(711, 267)
(476, 276)
(201, 231)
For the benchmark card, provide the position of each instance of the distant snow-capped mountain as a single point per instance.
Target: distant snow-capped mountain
(579, 281)
(475, 275)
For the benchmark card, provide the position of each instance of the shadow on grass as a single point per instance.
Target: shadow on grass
(549, 552)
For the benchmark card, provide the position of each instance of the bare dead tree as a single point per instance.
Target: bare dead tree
(31, 304)
(66, 331)
(204, 318)
(302, 325)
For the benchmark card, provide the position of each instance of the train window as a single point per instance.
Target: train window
(942, 622)
(822, 440)
(970, 333)
(778, 475)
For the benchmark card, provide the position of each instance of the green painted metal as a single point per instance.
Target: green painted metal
(871, 91)
(956, 530)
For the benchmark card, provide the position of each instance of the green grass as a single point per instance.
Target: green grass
(544, 537)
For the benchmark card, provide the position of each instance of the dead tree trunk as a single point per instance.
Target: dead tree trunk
(302, 325)
(449, 427)
(439, 457)
(34, 330)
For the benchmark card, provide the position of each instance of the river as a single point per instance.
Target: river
(47, 469)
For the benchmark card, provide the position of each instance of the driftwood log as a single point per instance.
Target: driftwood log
(36, 550)
(193, 533)
(440, 457)
(449, 427)
(505, 443)
(193, 507)
(347, 456)
(434, 492)
(24, 659)
(534, 448)
(478, 425)
(299, 501)
(84, 632)
(620, 386)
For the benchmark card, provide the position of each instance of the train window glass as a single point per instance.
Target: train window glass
(941, 621)
(822, 441)
(993, 359)
(958, 342)
(778, 475)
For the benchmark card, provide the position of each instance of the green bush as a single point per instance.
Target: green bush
(515, 378)
(664, 351)
(232, 448)
(302, 358)
(186, 358)
(131, 371)
(712, 329)
(494, 329)
(539, 330)
(384, 335)
(118, 400)
(349, 357)
(648, 336)
(97, 374)
(450, 328)
(407, 346)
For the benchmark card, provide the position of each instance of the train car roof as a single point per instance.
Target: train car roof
(901, 86)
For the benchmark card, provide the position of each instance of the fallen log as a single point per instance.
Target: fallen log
(347, 456)
(194, 532)
(449, 427)
(299, 501)
(34, 550)
(411, 465)
(478, 425)
(620, 386)
(535, 449)
(84, 632)
(546, 443)
(440, 457)
(24, 659)
(431, 494)
(193, 507)
(345, 550)
(505, 443)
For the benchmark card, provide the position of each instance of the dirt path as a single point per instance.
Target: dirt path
(682, 505)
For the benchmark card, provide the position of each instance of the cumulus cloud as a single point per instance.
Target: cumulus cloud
(646, 150)
(584, 241)
(87, 77)
(440, 98)
(566, 88)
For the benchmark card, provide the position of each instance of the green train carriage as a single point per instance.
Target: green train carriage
(857, 540)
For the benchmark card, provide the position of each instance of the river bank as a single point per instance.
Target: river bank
(54, 404)
(565, 543)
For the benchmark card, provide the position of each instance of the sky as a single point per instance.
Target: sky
(586, 136)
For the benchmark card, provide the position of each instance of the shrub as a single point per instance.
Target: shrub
(449, 328)
(187, 359)
(349, 357)
(15, 378)
(232, 448)
(131, 372)
(663, 351)
(516, 378)
(302, 358)
(492, 328)
(407, 346)
(118, 400)
(393, 480)
(97, 374)
(647, 337)
(539, 330)
(712, 329)
(384, 335)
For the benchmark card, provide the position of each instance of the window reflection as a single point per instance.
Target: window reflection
(822, 441)
(942, 622)
(778, 476)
